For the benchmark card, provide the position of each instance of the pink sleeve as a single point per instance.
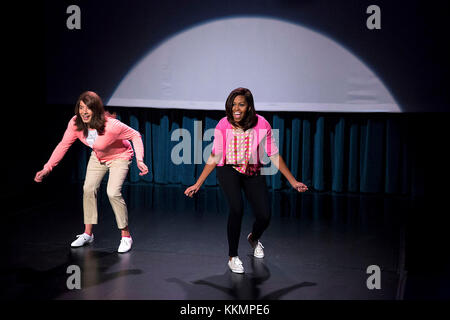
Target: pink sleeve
(62, 147)
(270, 145)
(128, 133)
(219, 139)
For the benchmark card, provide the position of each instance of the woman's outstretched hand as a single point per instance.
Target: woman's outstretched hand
(41, 175)
(142, 167)
(191, 190)
(299, 186)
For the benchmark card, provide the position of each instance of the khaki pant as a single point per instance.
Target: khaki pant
(118, 170)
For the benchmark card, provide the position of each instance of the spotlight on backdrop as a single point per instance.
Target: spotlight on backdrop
(288, 68)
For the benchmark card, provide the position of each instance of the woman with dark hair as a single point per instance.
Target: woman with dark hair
(111, 151)
(239, 141)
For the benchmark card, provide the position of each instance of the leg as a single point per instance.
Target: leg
(118, 170)
(230, 183)
(257, 194)
(94, 174)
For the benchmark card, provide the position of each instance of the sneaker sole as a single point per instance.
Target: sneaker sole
(83, 245)
(237, 271)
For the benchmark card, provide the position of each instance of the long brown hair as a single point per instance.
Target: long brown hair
(250, 119)
(99, 115)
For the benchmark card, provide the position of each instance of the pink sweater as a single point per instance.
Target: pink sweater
(262, 136)
(113, 144)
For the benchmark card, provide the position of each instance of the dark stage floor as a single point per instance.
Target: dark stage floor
(318, 246)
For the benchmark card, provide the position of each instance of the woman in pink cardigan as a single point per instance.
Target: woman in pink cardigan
(240, 139)
(111, 151)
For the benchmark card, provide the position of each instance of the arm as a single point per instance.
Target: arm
(139, 148)
(128, 133)
(59, 152)
(281, 165)
(213, 160)
(277, 160)
(209, 167)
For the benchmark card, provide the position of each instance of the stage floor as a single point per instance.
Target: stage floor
(318, 246)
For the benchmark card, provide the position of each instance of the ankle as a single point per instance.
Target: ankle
(126, 234)
(88, 229)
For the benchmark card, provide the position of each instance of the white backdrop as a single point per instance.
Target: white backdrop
(286, 66)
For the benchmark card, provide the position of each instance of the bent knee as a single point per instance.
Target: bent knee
(113, 193)
(236, 210)
(89, 189)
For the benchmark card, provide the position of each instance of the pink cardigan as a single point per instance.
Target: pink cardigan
(262, 135)
(113, 144)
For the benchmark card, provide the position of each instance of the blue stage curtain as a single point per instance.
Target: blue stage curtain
(338, 152)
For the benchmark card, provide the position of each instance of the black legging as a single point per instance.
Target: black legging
(255, 189)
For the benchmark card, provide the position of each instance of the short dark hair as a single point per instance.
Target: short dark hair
(250, 119)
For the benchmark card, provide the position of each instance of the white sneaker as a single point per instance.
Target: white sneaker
(125, 244)
(235, 265)
(82, 239)
(258, 251)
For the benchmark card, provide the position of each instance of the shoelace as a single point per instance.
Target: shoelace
(238, 262)
(257, 245)
(79, 235)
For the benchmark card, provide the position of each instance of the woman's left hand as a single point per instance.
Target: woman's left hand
(141, 165)
(299, 186)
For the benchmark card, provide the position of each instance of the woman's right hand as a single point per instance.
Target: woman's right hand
(41, 175)
(192, 190)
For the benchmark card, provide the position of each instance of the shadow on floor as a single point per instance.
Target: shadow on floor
(51, 283)
(244, 286)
